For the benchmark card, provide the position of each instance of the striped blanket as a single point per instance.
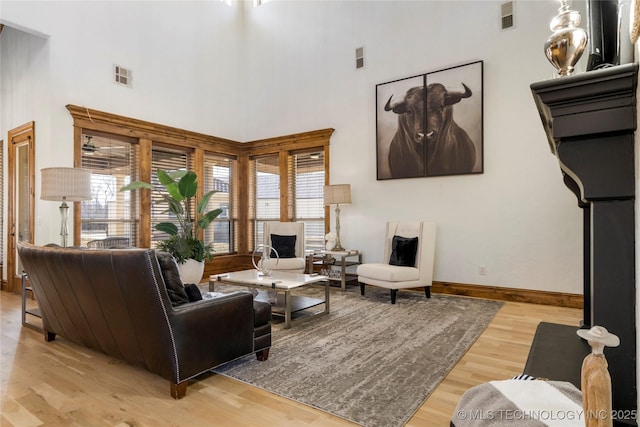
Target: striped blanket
(520, 403)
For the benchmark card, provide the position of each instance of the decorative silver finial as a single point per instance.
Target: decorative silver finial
(565, 46)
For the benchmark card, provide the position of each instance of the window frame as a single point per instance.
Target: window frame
(257, 218)
(149, 135)
(284, 166)
(183, 159)
(229, 216)
(128, 214)
(313, 241)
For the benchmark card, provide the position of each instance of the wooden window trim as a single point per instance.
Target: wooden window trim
(149, 134)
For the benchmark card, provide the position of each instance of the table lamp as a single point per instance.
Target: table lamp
(334, 195)
(65, 185)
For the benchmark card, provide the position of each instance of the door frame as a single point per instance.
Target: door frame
(3, 191)
(17, 136)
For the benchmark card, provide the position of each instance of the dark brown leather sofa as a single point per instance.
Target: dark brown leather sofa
(115, 302)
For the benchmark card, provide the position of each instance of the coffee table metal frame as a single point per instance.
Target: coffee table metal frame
(281, 282)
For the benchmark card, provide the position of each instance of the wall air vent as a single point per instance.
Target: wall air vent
(360, 57)
(122, 76)
(506, 15)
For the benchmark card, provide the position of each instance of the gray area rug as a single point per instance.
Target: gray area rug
(368, 361)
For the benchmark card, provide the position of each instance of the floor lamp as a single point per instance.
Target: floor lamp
(334, 195)
(65, 185)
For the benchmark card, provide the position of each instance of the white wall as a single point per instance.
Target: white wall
(517, 218)
(289, 67)
(183, 56)
(24, 95)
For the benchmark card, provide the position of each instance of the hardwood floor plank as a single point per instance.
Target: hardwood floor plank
(17, 415)
(63, 384)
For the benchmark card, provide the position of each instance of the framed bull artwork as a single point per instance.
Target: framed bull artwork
(431, 124)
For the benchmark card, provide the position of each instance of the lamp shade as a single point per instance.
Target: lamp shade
(65, 184)
(337, 193)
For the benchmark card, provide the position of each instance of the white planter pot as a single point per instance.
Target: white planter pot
(191, 271)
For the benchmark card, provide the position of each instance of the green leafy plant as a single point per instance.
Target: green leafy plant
(182, 187)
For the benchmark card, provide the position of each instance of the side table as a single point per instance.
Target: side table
(329, 259)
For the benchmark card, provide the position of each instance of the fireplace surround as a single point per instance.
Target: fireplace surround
(590, 122)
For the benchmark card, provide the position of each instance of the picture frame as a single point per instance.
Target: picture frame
(431, 124)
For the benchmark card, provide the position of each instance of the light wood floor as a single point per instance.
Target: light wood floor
(61, 384)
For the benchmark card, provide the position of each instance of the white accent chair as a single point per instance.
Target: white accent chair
(396, 277)
(291, 265)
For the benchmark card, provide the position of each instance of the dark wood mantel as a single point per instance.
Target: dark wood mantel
(590, 122)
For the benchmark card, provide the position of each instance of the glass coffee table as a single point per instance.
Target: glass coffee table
(282, 283)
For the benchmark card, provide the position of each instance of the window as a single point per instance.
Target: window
(169, 160)
(266, 178)
(308, 182)
(302, 202)
(110, 213)
(219, 173)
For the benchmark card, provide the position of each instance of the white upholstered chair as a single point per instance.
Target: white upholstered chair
(394, 277)
(296, 264)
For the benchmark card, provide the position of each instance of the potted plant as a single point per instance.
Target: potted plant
(183, 243)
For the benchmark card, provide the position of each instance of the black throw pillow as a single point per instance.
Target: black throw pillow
(193, 292)
(171, 276)
(403, 251)
(284, 245)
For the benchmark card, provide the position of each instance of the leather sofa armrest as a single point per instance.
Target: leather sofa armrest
(212, 331)
(198, 314)
(230, 298)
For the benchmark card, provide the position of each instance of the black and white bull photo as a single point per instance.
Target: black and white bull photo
(429, 139)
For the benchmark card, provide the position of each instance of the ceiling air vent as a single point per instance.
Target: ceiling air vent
(122, 76)
(506, 15)
(360, 57)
